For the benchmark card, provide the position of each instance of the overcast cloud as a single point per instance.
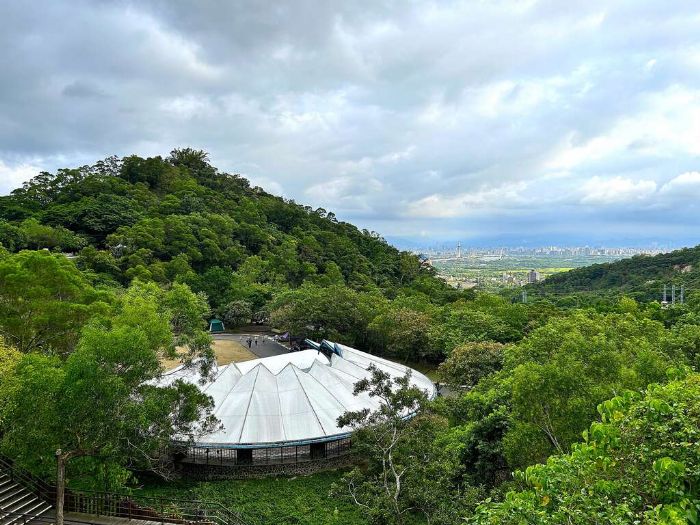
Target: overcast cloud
(486, 121)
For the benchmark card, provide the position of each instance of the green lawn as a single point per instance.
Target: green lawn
(284, 501)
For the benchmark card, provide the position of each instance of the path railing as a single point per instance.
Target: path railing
(37, 486)
(150, 508)
(129, 506)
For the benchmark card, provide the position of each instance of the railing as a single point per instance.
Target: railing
(150, 508)
(37, 486)
(282, 455)
(130, 506)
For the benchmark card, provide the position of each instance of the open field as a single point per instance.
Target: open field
(227, 351)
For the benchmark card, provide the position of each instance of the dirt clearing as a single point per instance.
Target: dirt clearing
(226, 350)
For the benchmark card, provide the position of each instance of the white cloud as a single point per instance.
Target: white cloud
(383, 112)
(485, 200)
(617, 190)
(12, 177)
(684, 187)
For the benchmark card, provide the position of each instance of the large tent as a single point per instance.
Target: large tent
(291, 399)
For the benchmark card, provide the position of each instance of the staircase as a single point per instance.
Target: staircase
(17, 504)
(24, 500)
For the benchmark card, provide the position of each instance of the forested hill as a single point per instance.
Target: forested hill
(641, 276)
(179, 218)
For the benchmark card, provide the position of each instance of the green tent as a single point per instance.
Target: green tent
(216, 326)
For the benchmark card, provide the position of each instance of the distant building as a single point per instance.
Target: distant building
(533, 276)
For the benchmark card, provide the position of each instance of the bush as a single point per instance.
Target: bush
(639, 464)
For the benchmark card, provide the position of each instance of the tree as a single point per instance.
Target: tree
(12, 237)
(561, 371)
(9, 359)
(185, 313)
(487, 318)
(399, 446)
(237, 313)
(334, 312)
(403, 333)
(188, 157)
(635, 465)
(40, 236)
(45, 301)
(409, 267)
(470, 362)
(101, 404)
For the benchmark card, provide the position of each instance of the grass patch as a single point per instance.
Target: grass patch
(283, 500)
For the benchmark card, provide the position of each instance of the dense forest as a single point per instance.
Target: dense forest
(559, 412)
(642, 277)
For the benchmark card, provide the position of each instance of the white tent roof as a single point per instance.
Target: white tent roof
(291, 398)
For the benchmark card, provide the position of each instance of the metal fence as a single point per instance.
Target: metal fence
(130, 506)
(282, 455)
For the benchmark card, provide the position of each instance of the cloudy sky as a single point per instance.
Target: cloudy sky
(488, 121)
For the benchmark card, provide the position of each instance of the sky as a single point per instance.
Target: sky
(490, 122)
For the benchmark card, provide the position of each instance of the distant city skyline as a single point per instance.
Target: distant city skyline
(485, 246)
(466, 251)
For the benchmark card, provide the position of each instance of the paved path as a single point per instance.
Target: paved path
(265, 347)
(75, 518)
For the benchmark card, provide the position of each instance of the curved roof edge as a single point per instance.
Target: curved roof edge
(339, 361)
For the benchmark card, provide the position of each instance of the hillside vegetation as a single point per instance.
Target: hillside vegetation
(252, 255)
(642, 277)
(572, 410)
(181, 219)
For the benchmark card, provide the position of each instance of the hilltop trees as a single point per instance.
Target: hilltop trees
(179, 220)
(641, 276)
(150, 213)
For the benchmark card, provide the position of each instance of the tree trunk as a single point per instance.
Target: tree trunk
(60, 485)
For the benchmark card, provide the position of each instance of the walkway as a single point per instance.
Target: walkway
(74, 518)
(265, 347)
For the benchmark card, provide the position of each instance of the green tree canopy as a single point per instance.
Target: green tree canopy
(100, 408)
(470, 362)
(639, 464)
(45, 301)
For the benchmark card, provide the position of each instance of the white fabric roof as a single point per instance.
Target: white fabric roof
(289, 398)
